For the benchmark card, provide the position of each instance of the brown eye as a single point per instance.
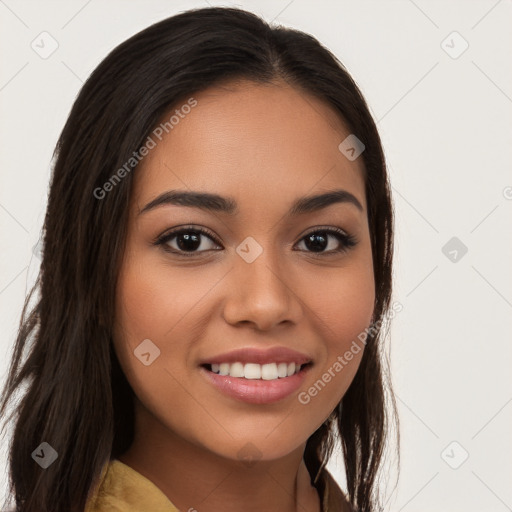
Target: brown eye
(319, 241)
(188, 241)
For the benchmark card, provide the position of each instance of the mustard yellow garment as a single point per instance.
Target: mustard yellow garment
(122, 489)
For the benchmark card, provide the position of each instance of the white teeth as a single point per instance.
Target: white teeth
(270, 371)
(236, 370)
(251, 371)
(282, 370)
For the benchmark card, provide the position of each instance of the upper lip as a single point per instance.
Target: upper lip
(259, 356)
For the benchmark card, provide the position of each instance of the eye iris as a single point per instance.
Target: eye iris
(316, 241)
(188, 242)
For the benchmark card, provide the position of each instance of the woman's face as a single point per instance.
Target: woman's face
(261, 281)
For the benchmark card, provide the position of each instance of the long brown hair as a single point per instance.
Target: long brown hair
(77, 399)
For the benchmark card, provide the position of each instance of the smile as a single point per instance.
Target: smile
(261, 385)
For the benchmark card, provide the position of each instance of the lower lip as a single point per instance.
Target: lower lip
(256, 391)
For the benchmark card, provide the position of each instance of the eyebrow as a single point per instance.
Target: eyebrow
(216, 203)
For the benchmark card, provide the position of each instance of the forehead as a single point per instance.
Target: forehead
(251, 141)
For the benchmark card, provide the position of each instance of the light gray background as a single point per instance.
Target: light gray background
(446, 127)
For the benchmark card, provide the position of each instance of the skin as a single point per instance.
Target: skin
(265, 146)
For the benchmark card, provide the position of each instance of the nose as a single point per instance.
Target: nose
(262, 294)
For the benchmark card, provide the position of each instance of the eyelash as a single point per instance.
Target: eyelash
(347, 241)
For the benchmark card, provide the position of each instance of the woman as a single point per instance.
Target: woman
(216, 272)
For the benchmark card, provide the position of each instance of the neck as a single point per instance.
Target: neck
(194, 478)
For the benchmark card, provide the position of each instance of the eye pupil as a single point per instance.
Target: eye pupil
(317, 241)
(187, 242)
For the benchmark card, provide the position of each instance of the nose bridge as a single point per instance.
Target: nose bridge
(261, 293)
(259, 267)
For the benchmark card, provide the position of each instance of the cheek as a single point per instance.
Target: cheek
(347, 307)
(153, 299)
(164, 305)
(155, 303)
(147, 308)
(343, 309)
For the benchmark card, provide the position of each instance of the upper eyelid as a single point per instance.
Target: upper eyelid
(208, 232)
(176, 231)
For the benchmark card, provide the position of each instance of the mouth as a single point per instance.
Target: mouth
(255, 388)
